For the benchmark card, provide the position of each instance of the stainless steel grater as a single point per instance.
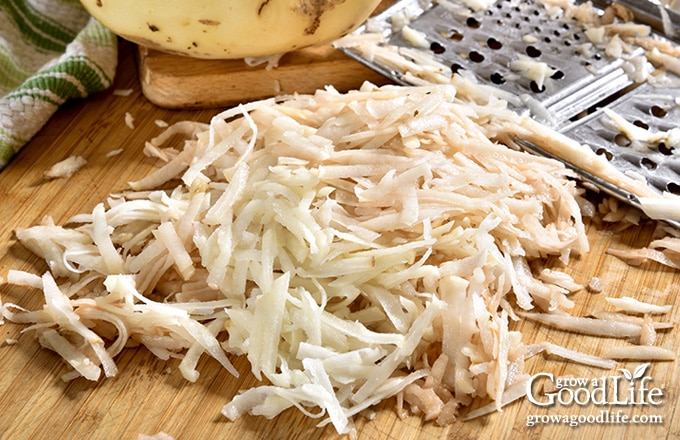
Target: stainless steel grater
(487, 42)
(583, 80)
(654, 107)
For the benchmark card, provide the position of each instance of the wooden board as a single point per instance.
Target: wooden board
(150, 395)
(174, 81)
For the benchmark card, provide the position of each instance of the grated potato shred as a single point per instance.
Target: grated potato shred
(354, 247)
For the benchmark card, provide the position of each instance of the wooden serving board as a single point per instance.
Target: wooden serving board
(149, 395)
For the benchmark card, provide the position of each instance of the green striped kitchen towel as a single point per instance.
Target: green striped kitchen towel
(50, 51)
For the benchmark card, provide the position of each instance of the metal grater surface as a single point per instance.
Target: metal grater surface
(653, 107)
(485, 43)
(585, 85)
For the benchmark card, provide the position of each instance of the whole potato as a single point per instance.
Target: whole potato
(229, 29)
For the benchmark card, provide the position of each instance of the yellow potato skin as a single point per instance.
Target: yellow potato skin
(230, 29)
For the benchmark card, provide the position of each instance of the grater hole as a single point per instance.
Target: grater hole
(454, 35)
(557, 75)
(535, 88)
(437, 48)
(497, 78)
(603, 152)
(473, 23)
(622, 140)
(673, 188)
(665, 149)
(658, 111)
(648, 163)
(494, 44)
(455, 68)
(532, 51)
(641, 124)
(476, 57)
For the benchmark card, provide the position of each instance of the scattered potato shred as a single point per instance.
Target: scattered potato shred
(354, 247)
(65, 168)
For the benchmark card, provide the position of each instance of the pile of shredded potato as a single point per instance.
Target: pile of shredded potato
(612, 29)
(354, 247)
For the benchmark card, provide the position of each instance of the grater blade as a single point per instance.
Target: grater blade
(586, 88)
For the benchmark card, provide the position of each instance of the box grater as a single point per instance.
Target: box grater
(583, 84)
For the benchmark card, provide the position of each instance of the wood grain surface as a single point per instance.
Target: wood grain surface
(150, 396)
(173, 81)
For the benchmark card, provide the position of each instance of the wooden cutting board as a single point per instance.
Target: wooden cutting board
(150, 396)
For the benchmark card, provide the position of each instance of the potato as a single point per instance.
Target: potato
(230, 29)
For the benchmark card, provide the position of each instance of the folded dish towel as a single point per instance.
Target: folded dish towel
(51, 51)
